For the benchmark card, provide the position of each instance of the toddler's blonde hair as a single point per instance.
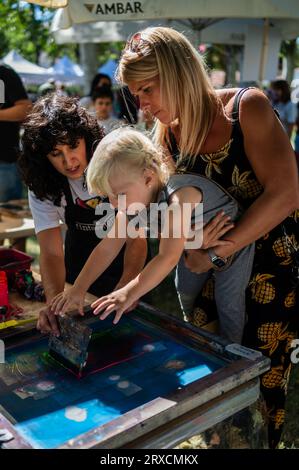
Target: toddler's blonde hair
(128, 151)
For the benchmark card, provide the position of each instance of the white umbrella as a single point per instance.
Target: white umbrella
(226, 31)
(50, 3)
(78, 11)
(102, 31)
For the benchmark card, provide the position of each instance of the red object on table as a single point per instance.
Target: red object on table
(3, 290)
(12, 261)
(7, 310)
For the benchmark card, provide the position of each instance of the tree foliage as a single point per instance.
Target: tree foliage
(290, 50)
(25, 27)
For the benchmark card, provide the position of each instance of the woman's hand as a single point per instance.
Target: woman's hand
(71, 298)
(47, 322)
(197, 261)
(215, 229)
(118, 301)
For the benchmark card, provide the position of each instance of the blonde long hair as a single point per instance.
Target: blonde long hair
(127, 151)
(185, 87)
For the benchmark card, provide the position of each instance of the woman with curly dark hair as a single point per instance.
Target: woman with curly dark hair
(58, 142)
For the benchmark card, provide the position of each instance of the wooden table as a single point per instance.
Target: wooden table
(26, 229)
(31, 309)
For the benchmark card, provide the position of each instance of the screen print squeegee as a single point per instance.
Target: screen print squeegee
(70, 349)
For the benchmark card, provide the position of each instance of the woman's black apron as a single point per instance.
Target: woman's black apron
(80, 241)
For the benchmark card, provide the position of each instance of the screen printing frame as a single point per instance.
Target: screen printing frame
(166, 421)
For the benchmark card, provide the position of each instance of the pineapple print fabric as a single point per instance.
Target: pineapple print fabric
(272, 302)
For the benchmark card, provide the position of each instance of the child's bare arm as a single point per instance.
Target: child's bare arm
(134, 260)
(172, 241)
(99, 260)
(154, 272)
(158, 268)
(171, 247)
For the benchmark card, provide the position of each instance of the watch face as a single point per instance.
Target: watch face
(219, 262)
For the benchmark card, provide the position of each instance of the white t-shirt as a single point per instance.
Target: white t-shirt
(46, 215)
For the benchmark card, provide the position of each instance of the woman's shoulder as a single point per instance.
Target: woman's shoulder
(250, 95)
(43, 206)
(253, 102)
(255, 107)
(226, 94)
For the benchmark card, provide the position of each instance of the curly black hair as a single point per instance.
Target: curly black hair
(53, 120)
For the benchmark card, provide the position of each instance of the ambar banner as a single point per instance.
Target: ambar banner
(84, 11)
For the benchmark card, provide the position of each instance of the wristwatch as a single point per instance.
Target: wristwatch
(217, 261)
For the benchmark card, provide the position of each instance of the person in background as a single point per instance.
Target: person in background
(281, 101)
(99, 80)
(47, 87)
(13, 111)
(58, 142)
(102, 99)
(233, 137)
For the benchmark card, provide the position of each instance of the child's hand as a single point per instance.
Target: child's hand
(118, 301)
(72, 298)
(131, 307)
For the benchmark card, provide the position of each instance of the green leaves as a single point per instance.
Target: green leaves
(26, 28)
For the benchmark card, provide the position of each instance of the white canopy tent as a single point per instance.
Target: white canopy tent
(29, 72)
(63, 70)
(78, 11)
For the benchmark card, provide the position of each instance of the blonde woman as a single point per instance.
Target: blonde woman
(126, 163)
(233, 137)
